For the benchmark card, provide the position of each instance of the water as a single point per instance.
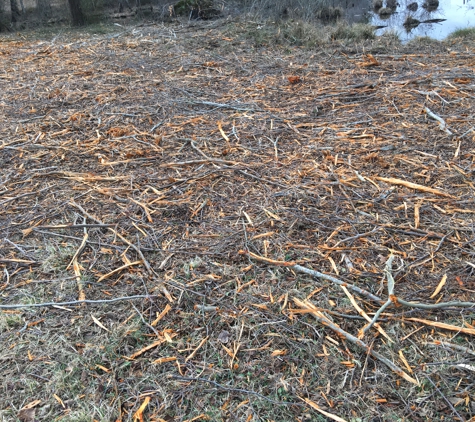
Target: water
(458, 14)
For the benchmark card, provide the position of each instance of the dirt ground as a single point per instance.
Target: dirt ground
(178, 180)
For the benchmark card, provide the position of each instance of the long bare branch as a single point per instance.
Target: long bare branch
(74, 302)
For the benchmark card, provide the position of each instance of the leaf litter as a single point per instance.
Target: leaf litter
(176, 203)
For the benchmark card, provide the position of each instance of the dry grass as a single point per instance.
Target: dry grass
(465, 34)
(303, 33)
(189, 144)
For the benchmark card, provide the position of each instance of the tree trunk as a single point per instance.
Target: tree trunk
(16, 12)
(5, 15)
(76, 12)
(43, 8)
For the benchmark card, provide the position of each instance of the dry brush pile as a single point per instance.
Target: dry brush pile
(216, 231)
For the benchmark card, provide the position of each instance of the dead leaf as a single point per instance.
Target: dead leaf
(294, 79)
(98, 323)
(371, 61)
(223, 337)
(27, 415)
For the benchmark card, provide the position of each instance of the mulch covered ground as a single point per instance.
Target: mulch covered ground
(198, 171)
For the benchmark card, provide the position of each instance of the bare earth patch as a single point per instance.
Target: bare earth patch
(190, 173)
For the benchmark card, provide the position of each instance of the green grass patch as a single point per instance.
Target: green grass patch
(356, 32)
(307, 34)
(466, 33)
(423, 42)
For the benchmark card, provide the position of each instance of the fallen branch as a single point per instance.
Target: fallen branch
(436, 305)
(317, 274)
(452, 346)
(193, 162)
(377, 299)
(441, 121)
(358, 236)
(71, 226)
(268, 260)
(443, 325)
(116, 270)
(320, 317)
(24, 262)
(313, 273)
(24, 194)
(74, 302)
(411, 185)
(335, 280)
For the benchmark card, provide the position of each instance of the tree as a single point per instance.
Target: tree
(43, 8)
(16, 12)
(76, 12)
(5, 16)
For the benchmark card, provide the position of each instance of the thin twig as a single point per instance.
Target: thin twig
(23, 195)
(146, 263)
(390, 280)
(436, 305)
(442, 124)
(218, 105)
(72, 226)
(238, 390)
(445, 398)
(419, 261)
(145, 322)
(358, 236)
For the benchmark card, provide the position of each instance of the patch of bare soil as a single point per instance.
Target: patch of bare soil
(164, 189)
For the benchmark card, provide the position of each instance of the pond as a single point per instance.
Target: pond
(444, 16)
